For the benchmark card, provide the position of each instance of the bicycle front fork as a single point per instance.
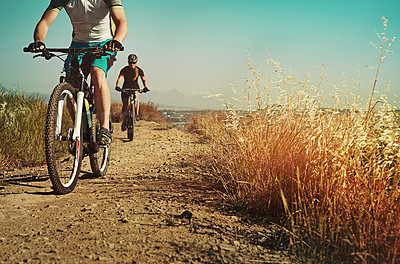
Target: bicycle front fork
(78, 116)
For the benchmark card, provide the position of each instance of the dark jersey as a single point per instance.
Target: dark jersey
(131, 77)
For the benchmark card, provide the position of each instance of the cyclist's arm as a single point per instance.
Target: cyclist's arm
(119, 80)
(144, 81)
(43, 26)
(118, 16)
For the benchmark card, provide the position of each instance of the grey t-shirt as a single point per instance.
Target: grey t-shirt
(90, 18)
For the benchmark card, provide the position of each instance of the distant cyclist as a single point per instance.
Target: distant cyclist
(130, 74)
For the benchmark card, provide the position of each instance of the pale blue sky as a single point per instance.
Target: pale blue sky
(201, 47)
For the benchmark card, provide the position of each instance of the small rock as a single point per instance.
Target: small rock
(124, 220)
(227, 247)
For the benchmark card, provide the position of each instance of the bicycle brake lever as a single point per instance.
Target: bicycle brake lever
(48, 55)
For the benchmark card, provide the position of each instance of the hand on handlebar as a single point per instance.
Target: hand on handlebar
(35, 47)
(145, 90)
(117, 88)
(113, 46)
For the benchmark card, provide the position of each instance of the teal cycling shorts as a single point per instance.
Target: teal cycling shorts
(104, 63)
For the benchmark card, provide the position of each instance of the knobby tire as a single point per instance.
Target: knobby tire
(131, 121)
(63, 155)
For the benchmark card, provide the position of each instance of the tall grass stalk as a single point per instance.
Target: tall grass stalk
(383, 51)
(329, 179)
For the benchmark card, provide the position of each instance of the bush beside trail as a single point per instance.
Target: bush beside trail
(22, 120)
(147, 111)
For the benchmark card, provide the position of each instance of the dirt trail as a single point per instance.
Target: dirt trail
(129, 216)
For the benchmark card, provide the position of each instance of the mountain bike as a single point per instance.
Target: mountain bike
(71, 122)
(132, 114)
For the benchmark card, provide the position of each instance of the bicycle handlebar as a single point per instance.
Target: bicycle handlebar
(97, 51)
(61, 50)
(132, 90)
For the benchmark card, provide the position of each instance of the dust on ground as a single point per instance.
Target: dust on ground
(153, 206)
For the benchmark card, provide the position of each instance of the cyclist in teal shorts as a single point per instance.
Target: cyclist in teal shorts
(92, 22)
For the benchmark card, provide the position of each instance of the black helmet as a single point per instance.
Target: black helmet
(132, 59)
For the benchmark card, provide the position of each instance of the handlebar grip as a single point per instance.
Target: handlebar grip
(26, 49)
(122, 48)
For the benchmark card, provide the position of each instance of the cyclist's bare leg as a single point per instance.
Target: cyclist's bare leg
(102, 96)
(137, 104)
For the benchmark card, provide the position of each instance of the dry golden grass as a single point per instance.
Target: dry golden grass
(115, 112)
(329, 176)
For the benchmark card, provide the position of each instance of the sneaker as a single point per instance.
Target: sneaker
(104, 137)
(123, 126)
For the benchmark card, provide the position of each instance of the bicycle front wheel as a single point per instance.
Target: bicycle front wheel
(131, 121)
(100, 159)
(63, 154)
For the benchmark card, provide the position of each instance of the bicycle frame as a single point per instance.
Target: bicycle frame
(132, 101)
(132, 97)
(82, 103)
(84, 87)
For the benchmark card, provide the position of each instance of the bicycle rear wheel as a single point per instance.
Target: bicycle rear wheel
(63, 154)
(131, 121)
(100, 159)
